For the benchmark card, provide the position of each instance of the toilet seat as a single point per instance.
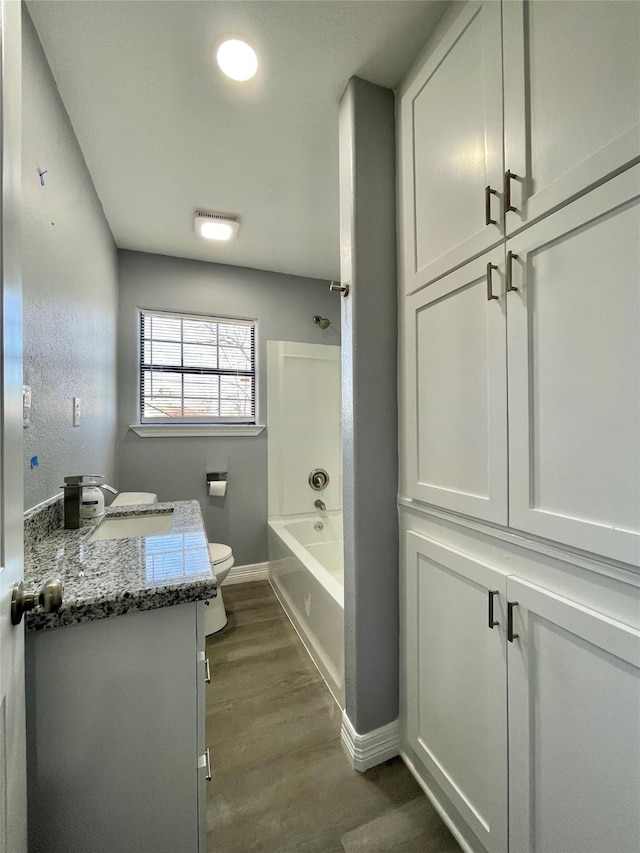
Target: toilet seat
(218, 553)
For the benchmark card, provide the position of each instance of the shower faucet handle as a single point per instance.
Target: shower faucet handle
(318, 479)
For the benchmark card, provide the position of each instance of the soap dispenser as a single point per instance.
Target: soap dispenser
(92, 502)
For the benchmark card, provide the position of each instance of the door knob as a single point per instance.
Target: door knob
(49, 598)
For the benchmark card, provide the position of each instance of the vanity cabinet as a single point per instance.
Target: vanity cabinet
(568, 77)
(565, 765)
(115, 733)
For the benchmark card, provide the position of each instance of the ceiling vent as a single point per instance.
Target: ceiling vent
(216, 226)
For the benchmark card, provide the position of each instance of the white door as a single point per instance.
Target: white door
(454, 391)
(456, 681)
(574, 727)
(13, 821)
(571, 98)
(450, 119)
(574, 373)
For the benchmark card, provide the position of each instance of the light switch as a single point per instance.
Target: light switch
(77, 411)
(26, 405)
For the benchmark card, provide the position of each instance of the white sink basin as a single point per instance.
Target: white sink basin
(148, 524)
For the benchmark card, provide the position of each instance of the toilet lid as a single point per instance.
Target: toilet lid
(219, 553)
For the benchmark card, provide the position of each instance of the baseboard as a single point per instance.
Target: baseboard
(365, 751)
(245, 574)
(441, 808)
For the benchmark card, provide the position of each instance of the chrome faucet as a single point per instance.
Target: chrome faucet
(321, 505)
(73, 487)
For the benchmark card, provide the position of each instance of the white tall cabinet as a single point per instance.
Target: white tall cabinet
(519, 208)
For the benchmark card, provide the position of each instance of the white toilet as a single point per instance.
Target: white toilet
(215, 616)
(130, 498)
(221, 561)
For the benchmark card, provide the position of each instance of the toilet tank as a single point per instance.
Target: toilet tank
(128, 498)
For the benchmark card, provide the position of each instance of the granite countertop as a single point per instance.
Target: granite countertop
(110, 577)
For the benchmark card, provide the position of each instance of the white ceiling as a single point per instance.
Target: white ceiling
(164, 132)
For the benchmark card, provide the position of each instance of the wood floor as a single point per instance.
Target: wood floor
(281, 782)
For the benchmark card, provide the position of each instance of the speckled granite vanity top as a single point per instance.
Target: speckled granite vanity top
(113, 576)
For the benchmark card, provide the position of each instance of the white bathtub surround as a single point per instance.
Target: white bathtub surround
(306, 547)
(304, 425)
(365, 751)
(306, 573)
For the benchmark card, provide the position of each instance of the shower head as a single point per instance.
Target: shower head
(322, 321)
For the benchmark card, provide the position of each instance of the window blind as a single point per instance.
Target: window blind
(196, 369)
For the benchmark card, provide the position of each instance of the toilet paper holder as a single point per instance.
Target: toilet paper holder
(216, 477)
(217, 484)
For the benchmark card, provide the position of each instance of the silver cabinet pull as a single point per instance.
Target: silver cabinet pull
(509, 271)
(490, 268)
(508, 177)
(207, 671)
(510, 635)
(49, 598)
(337, 287)
(488, 192)
(492, 594)
(207, 756)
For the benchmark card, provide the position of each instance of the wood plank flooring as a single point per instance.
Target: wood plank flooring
(281, 782)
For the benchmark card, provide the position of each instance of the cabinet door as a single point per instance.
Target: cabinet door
(456, 682)
(574, 728)
(203, 677)
(574, 373)
(455, 392)
(571, 99)
(450, 120)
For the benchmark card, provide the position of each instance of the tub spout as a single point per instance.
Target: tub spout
(321, 505)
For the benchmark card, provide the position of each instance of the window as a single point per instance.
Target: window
(196, 369)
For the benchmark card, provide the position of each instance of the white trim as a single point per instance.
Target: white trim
(623, 573)
(435, 802)
(184, 430)
(365, 751)
(246, 574)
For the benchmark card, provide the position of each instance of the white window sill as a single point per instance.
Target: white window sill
(192, 430)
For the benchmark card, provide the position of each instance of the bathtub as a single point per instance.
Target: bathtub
(306, 573)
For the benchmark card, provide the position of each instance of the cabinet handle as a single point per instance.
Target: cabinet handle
(509, 271)
(488, 192)
(510, 635)
(492, 621)
(490, 268)
(207, 671)
(508, 176)
(207, 756)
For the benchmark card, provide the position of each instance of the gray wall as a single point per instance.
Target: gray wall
(70, 293)
(369, 347)
(175, 468)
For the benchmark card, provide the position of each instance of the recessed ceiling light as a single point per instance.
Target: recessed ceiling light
(237, 59)
(216, 226)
